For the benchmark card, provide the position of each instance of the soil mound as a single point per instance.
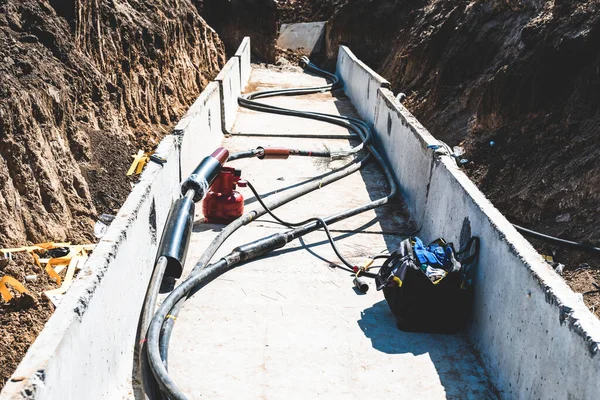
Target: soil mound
(83, 85)
(515, 83)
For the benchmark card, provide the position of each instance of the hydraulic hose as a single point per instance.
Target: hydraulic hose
(206, 275)
(349, 266)
(360, 128)
(227, 231)
(149, 385)
(160, 327)
(173, 248)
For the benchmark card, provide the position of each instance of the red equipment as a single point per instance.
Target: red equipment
(223, 203)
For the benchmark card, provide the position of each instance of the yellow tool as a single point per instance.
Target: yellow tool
(139, 161)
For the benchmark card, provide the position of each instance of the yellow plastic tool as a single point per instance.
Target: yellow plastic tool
(139, 161)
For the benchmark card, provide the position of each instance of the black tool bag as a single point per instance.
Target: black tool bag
(428, 299)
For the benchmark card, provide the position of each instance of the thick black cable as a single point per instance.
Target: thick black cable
(247, 218)
(358, 126)
(176, 298)
(296, 224)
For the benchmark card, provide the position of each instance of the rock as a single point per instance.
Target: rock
(4, 260)
(458, 151)
(559, 268)
(566, 217)
(100, 229)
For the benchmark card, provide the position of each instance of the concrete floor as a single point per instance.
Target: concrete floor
(290, 325)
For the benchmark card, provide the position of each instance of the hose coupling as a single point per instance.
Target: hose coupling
(304, 61)
(273, 153)
(205, 173)
(361, 284)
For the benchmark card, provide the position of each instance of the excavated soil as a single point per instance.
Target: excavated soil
(24, 317)
(517, 86)
(293, 11)
(83, 86)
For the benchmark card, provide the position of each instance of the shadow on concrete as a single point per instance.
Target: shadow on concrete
(455, 361)
(201, 226)
(394, 216)
(252, 199)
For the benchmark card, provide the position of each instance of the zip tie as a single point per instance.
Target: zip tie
(174, 318)
(320, 184)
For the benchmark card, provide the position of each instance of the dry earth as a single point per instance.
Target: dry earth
(517, 85)
(83, 85)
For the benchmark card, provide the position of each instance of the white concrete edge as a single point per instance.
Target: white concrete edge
(384, 82)
(61, 361)
(361, 83)
(229, 81)
(196, 108)
(559, 308)
(244, 54)
(35, 374)
(581, 317)
(200, 129)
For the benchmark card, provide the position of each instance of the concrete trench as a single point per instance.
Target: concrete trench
(289, 325)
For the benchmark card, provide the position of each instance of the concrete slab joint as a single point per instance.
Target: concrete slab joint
(230, 89)
(244, 54)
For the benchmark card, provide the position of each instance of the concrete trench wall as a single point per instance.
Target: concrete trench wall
(535, 337)
(86, 349)
(230, 88)
(306, 37)
(243, 53)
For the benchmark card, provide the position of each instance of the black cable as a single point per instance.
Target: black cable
(562, 242)
(314, 219)
(161, 327)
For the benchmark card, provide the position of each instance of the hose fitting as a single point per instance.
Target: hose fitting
(361, 285)
(304, 62)
(273, 153)
(205, 173)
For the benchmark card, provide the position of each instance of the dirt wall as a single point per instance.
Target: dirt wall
(84, 83)
(516, 83)
(235, 19)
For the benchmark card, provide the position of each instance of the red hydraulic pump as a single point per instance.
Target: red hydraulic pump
(223, 203)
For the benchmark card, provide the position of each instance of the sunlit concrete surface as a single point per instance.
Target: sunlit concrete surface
(291, 325)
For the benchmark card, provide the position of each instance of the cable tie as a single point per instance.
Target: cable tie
(174, 318)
